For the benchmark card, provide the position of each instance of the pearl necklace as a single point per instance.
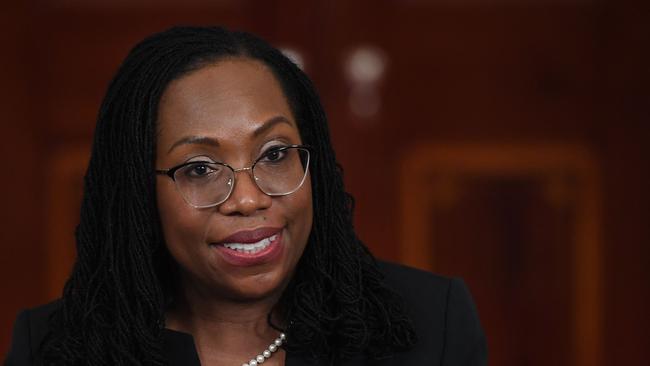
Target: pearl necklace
(268, 352)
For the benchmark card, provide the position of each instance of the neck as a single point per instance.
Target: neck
(223, 328)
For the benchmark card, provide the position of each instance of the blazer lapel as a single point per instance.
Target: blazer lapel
(179, 349)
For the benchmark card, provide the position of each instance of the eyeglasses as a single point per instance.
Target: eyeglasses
(280, 171)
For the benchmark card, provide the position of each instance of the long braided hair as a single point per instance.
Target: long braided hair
(113, 305)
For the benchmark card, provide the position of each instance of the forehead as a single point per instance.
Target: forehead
(227, 99)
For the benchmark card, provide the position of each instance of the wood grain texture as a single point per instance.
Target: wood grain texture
(534, 74)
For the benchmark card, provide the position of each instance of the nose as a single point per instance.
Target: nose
(246, 198)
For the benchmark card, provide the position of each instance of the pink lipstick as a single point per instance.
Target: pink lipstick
(248, 248)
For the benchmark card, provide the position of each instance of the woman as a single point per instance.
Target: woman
(215, 230)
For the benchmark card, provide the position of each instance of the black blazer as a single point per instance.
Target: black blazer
(442, 311)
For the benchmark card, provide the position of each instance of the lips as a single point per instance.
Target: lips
(247, 248)
(252, 248)
(250, 236)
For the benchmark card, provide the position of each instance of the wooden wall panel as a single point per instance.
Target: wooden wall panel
(66, 168)
(21, 217)
(623, 99)
(521, 224)
(468, 73)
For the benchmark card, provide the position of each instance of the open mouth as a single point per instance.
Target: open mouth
(241, 250)
(252, 248)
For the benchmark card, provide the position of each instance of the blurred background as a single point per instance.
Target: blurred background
(502, 141)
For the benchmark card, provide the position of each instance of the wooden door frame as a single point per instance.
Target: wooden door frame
(514, 160)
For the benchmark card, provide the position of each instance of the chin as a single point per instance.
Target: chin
(257, 287)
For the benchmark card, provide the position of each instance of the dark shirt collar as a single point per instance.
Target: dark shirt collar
(180, 350)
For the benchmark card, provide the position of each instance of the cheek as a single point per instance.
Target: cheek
(181, 223)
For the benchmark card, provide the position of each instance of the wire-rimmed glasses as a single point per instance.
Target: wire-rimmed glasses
(278, 172)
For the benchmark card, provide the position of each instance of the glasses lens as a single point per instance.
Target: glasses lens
(204, 184)
(282, 171)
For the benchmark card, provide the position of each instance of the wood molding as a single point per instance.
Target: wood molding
(66, 169)
(546, 161)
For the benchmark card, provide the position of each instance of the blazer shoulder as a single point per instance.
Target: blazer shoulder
(400, 271)
(443, 313)
(30, 328)
(415, 284)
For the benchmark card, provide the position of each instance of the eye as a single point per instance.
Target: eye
(274, 154)
(199, 169)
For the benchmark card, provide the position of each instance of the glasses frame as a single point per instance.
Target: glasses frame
(172, 171)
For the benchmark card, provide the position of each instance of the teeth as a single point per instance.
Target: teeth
(251, 248)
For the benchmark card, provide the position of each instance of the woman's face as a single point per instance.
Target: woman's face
(231, 112)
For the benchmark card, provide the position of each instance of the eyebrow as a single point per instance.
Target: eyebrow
(270, 124)
(209, 141)
(194, 140)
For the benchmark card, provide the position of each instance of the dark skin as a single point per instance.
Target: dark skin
(238, 109)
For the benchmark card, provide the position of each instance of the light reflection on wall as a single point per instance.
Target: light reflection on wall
(365, 68)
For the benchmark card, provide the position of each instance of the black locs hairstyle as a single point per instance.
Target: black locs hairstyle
(113, 305)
